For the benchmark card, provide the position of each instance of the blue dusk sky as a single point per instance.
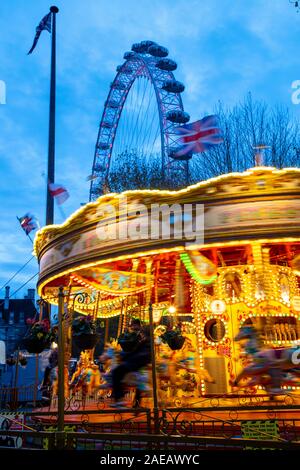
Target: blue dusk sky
(224, 49)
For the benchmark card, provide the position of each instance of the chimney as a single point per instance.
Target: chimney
(6, 300)
(31, 294)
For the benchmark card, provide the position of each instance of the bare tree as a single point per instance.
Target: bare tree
(133, 170)
(245, 126)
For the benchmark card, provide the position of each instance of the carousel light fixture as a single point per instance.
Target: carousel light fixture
(172, 309)
(176, 249)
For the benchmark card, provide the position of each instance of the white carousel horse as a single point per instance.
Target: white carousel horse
(272, 368)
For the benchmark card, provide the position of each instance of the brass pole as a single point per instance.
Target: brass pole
(36, 383)
(106, 330)
(61, 362)
(153, 364)
(41, 303)
(121, 318)
(16, 389)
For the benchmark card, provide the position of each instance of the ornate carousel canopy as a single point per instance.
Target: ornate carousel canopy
(107, 248)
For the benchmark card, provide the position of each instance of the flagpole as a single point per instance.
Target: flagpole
(51, 142)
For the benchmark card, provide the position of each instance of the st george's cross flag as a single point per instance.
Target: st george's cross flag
(59, 193)
(28, 223)
(198, 136)
(45, 23)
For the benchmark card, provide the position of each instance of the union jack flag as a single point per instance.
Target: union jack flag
(45, 23)
(199, 136)
(28, 223)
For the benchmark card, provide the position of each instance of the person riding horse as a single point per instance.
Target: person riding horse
(271, 368)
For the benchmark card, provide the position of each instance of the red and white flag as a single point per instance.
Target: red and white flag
(59, 192)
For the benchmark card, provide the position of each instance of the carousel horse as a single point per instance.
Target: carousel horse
(86, 378)
(271, 368)
(178, 374)
(94, 378)
(176, 371)
(110, 358)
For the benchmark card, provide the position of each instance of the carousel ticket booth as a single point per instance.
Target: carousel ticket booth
(245, 270)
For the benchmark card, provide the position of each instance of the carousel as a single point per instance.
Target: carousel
(219, 283)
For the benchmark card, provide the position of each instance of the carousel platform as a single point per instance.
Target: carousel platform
(207, 410)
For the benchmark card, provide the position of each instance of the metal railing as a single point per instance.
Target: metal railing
(48, 440)
(135, 429)
(13, 398)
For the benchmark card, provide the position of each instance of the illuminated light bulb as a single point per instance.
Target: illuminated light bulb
(172, 309)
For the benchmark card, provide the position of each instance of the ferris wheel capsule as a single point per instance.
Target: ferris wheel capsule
(122, 69)
(166, 64)
(118, 85)
(136, 47)
(112, 104)
(129, 55)
(178, 116)
(146, 44)
(142, 47)
(103, 146)
(139, 48)
(173, 86)
(158, 51)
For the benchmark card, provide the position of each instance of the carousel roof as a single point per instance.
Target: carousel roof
(255, 182)
(262, 203)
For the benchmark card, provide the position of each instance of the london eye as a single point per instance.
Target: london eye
(142, 110)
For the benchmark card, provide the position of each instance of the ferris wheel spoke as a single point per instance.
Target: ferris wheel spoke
(135, 128)
(149, 145)
(147, 119)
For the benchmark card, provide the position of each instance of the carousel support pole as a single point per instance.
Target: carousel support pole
(153, 363)
(120, 319)
(42, 304)
(133, 298)
(106, 330)
(68, 327)
(36, 379)
(197, 307)
(61, 368)
(149, 286)
(16, 389)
